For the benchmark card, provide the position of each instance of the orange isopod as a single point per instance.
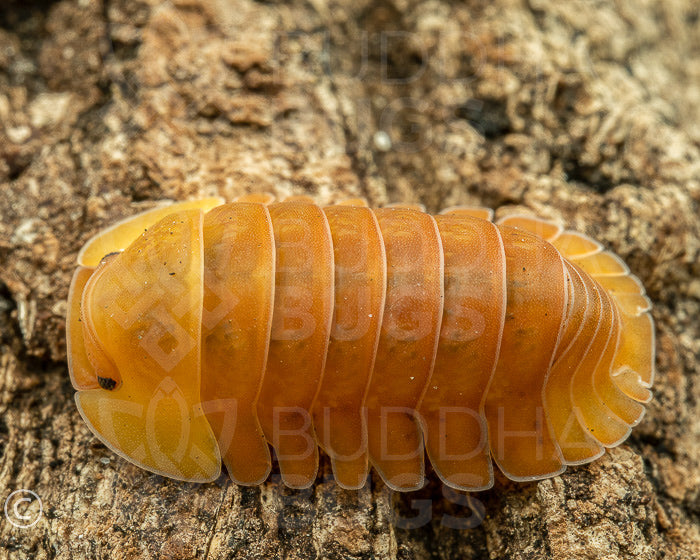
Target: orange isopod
(204, 332)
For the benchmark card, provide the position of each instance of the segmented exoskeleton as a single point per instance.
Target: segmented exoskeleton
(204, 331)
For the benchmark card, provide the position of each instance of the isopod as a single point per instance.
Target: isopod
(206, 332)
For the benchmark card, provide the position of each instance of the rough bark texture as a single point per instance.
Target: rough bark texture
(584, 111)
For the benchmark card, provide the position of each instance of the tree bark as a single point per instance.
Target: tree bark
(584, 112)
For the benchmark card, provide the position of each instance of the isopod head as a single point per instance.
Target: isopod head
(134, 340)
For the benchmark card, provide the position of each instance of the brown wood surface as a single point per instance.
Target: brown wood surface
(580, 111)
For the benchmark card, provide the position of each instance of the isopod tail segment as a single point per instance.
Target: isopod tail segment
(205, 332)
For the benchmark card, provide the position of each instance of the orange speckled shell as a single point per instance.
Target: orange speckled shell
(205, 332)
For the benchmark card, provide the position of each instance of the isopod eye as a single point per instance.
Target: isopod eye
(136, 351)
(107, 383)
